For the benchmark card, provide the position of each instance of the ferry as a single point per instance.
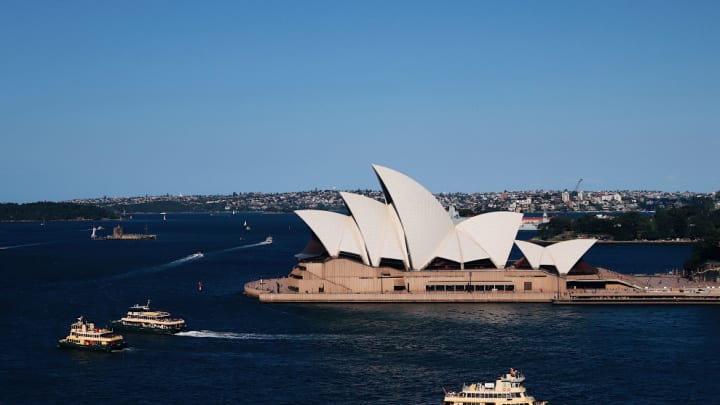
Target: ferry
(85, 336)
(507, 389)
(140, 318)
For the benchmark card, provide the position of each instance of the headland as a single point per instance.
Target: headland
(410, 249)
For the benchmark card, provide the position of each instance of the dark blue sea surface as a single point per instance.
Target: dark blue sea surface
(240, 351)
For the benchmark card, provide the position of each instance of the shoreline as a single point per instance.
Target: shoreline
(10, 221)
(605, 241)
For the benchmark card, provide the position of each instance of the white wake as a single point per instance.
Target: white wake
(27, 245)
(185, 259)
(245, 336)
(158, 268)
(263, 243)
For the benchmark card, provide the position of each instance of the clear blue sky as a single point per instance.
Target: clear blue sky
(123, 98)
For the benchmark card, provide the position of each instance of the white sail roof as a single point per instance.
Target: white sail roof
(494, 232)
(395, 246)
(380, 231)
(563, 255)
(459, 246)
(566, 254)
(425, 222)
(471, 250)
(450, 248)
(337, 232)
(413, 227)
(533, 253)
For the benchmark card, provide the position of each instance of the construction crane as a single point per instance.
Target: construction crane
(577, 185)
(570, 195)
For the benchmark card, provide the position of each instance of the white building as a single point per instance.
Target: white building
(412, 228)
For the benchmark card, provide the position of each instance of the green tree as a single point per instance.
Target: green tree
(556, 226)
(707, 249)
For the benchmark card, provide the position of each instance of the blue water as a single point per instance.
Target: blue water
(241, 351)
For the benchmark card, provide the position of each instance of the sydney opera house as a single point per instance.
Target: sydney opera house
(409, 248)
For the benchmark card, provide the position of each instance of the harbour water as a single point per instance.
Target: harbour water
(240, 351)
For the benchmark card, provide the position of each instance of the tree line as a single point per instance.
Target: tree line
(52, 211)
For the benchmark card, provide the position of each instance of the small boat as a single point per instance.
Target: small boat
(196, 255)
(140, 318)
(268, 240)
(507, 389)
(85, 336)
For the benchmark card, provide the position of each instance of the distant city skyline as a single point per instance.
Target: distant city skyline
(165, 97)
(517, 201)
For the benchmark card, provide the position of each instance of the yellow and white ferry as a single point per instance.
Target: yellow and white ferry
(507, 389)
(140, 318)
(85, 336)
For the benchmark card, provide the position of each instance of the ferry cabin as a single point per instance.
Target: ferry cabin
(490, 398)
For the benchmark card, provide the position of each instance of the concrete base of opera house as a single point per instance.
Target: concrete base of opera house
(343, 280)
(684, 292)
(266, 291)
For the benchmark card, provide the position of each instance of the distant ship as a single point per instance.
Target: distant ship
(85, 336)
(140, 318)
(531, 223)
(507, 389)
(119, 234)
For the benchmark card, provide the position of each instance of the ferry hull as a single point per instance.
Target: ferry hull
(63, 344)
(144, 329)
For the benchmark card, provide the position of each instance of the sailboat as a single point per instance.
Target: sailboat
(247, 227)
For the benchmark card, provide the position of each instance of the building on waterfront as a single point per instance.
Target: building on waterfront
(411, 231)
(409, 244)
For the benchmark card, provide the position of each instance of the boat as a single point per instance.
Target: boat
(268, 240)
(140, 318)
(507, 389)
(85, 336)
(119, 234)
(196, 255)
